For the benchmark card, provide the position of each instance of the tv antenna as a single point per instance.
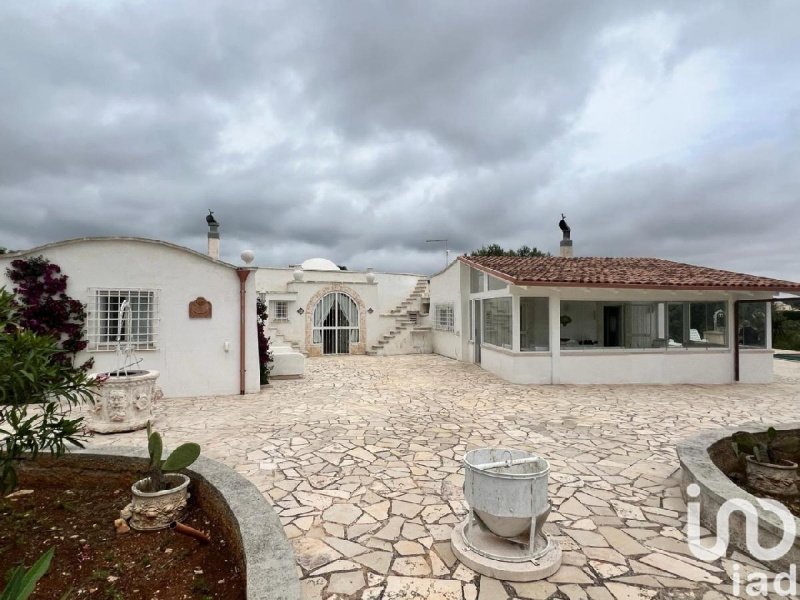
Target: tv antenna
(446, 251)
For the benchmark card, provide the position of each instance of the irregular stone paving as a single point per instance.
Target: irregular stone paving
(361, 460)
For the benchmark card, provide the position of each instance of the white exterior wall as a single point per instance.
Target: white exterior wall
(386, 292)
(516, 367)
(451, 286)
(190, 354)
(756, 366)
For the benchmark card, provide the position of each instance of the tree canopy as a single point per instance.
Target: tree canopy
(498, 250)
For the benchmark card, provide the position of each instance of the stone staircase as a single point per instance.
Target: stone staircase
(420, 290)
(277, 340)
(288, 360)
(405, 317)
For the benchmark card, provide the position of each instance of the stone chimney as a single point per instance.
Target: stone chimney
(565, 250)
(213, 235)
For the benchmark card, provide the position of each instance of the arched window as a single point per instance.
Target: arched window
(335, 323)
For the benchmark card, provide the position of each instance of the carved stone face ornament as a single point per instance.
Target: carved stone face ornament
(117, 405)
(142, 401)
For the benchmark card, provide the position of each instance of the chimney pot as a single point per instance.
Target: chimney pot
(565, 249)
(213, 235)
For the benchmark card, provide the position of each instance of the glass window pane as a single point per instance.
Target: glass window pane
(675, 324)
(753, 324)
(534, 324)
(475, 281)
(497, 322)
(496, 284)
(707, 326)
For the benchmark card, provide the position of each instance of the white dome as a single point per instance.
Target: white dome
(319, 264)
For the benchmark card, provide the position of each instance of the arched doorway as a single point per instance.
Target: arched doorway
(335, 323)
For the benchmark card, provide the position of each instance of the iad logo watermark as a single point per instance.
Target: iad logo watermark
(758, 584)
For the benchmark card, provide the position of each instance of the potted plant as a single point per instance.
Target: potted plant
(765, 471)
(160, 498)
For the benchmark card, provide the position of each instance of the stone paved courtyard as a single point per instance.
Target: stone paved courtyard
(361, 459)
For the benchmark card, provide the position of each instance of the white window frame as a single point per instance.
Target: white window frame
(103, 320)
(342, 305)
(444, 317)
(279, 310)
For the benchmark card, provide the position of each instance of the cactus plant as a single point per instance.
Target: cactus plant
(180, 458)
(763, 450)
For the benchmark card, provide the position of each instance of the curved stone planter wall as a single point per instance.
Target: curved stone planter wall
(251, 526)
(715, 488)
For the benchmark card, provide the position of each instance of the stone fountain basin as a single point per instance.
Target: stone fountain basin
(250, 525)
(123, 402)
(705, 458)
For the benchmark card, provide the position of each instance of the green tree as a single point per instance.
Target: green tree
(498, 250)
(37, 394)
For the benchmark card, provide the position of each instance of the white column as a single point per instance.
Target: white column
(514, 323)
(554, 314)
(768, 324)
(731, 325)
(662, 320)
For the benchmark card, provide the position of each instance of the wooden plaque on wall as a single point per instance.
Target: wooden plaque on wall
(199, 308)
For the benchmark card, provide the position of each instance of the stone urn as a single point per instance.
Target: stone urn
(124, 402)
(298, 274)
(778, 479)
(370, 275)
(149, 511)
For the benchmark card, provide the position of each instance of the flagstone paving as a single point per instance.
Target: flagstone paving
(361, 460)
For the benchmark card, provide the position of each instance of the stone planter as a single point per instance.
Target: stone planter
(245, 518)
(124, 402)
(150, 511)
(777, 479)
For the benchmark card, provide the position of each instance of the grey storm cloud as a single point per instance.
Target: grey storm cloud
(358, 130)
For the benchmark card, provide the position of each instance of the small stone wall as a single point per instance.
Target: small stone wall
(705, 459)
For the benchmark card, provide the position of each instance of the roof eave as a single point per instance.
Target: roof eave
(638, 286)
(633, 286)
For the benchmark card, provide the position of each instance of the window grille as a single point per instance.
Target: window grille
(443, 318)
(279, 311)
(335, 324)
(106, 328)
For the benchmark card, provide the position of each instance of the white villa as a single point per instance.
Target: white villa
(535, 320)
(604, 320)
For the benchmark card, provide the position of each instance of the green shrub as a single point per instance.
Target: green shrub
(37, 393)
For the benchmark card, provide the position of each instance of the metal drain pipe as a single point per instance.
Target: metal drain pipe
(243, 275)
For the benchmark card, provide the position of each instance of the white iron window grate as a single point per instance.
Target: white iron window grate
(443, 317)
(106, 328)
(279, 311)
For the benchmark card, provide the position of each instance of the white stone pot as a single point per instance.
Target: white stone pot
(125, 402)
(370, 275)
(776, 479)
(149, 511)
(298, 274)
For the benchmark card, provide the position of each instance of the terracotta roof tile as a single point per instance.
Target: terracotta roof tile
(648, 273)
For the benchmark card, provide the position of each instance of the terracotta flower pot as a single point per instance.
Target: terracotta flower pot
(156, 510)
(778, 479)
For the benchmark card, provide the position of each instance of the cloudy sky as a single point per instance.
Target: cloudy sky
(358, 130)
